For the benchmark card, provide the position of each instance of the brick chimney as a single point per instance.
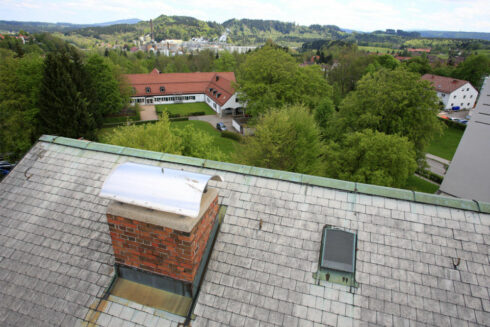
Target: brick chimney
(151, 228)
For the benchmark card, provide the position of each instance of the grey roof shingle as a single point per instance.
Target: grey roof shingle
(56, 257)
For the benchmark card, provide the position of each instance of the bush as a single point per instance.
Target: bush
(231, 135)
(430, 175)
(173, 116)
(452, 123)
(197, 113)
(179, 119)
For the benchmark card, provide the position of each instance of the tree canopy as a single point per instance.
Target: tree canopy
(161, 137)
(19, 86)
(270, 77)
(371, 157)
(392, 102)
(474, 69)
(285, 139)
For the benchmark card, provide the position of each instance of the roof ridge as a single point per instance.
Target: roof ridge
(354, 187)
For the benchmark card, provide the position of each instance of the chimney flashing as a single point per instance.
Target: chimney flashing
(160, 218)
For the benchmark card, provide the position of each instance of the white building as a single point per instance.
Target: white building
(453, 92)
(215, 89)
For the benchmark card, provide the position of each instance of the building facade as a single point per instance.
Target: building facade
(215, 89)
(453, 92)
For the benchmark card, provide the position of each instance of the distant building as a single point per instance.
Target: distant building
(453, 92)
(213, 88)
(467, 176)
(419, 50)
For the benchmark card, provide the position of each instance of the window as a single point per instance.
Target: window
(210, 90)
(468, 104)
(214, 92)
(452, 104)
(337, 256)
(218, 95)
(467, 89)
(464, 96)
(162, 89)
(461, 104)
(471, 96)
(455, 97)
(443, 95)
(148, 89)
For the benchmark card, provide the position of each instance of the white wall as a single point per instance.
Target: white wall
(463, 97)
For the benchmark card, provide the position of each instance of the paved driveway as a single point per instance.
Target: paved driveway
(213, 120)
(148, 113)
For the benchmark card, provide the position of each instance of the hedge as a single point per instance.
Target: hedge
(430, 175)
(231, 135)
(452, 123)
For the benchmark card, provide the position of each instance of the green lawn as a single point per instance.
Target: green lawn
(418, 184)
(445, 145)
(184, 109)
(226, 145)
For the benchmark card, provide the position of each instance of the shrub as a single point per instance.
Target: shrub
(197, 113)
(231, 135)
(452, 123)
(430, 175)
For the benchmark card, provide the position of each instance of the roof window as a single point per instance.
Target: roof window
(217, 78)
(162, 89)
(210, 89)
(337, 256)
(218, 95)
(148, 89)
(214, 92)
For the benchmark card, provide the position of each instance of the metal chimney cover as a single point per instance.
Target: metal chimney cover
(157, 188)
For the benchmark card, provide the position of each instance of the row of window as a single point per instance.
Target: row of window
(175, 98)
(452, 104)
(214, 92)
(148, 89)
(464, 96)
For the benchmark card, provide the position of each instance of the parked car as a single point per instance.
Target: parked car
(221, 127)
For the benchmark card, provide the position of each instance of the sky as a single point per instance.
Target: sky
(365, 15)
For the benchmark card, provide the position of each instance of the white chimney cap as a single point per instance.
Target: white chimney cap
(157, 188)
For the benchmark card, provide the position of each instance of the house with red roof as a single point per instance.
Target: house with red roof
(215, 89)
(453, 92)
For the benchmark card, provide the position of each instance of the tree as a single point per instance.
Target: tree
(106, 95)
(161, 137)
(324, 113)
(19, 87)
(285, 139)
(474, 69)
(270, 77)
(418, 65)
(371, 157)
(63, 106)
(225, 63)
(392, 102)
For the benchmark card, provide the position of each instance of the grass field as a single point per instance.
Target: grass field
(226, 145)
(184, 109)
(445, 145)
(377, 49)
(418, 184)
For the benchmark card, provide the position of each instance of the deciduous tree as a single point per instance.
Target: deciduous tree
(285, 139)
(371, 157)
(392, 102)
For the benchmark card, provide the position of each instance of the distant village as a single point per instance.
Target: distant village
(147, 43)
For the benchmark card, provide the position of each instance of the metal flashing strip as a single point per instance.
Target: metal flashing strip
(376, 190)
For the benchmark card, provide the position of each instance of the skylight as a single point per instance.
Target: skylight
(337, 262)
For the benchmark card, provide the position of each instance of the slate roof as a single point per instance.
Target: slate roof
(467, 175)
(56, 258)
(183, 83)
(444, 84)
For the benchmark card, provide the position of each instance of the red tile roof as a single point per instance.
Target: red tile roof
(185, 83)
(444, 84)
